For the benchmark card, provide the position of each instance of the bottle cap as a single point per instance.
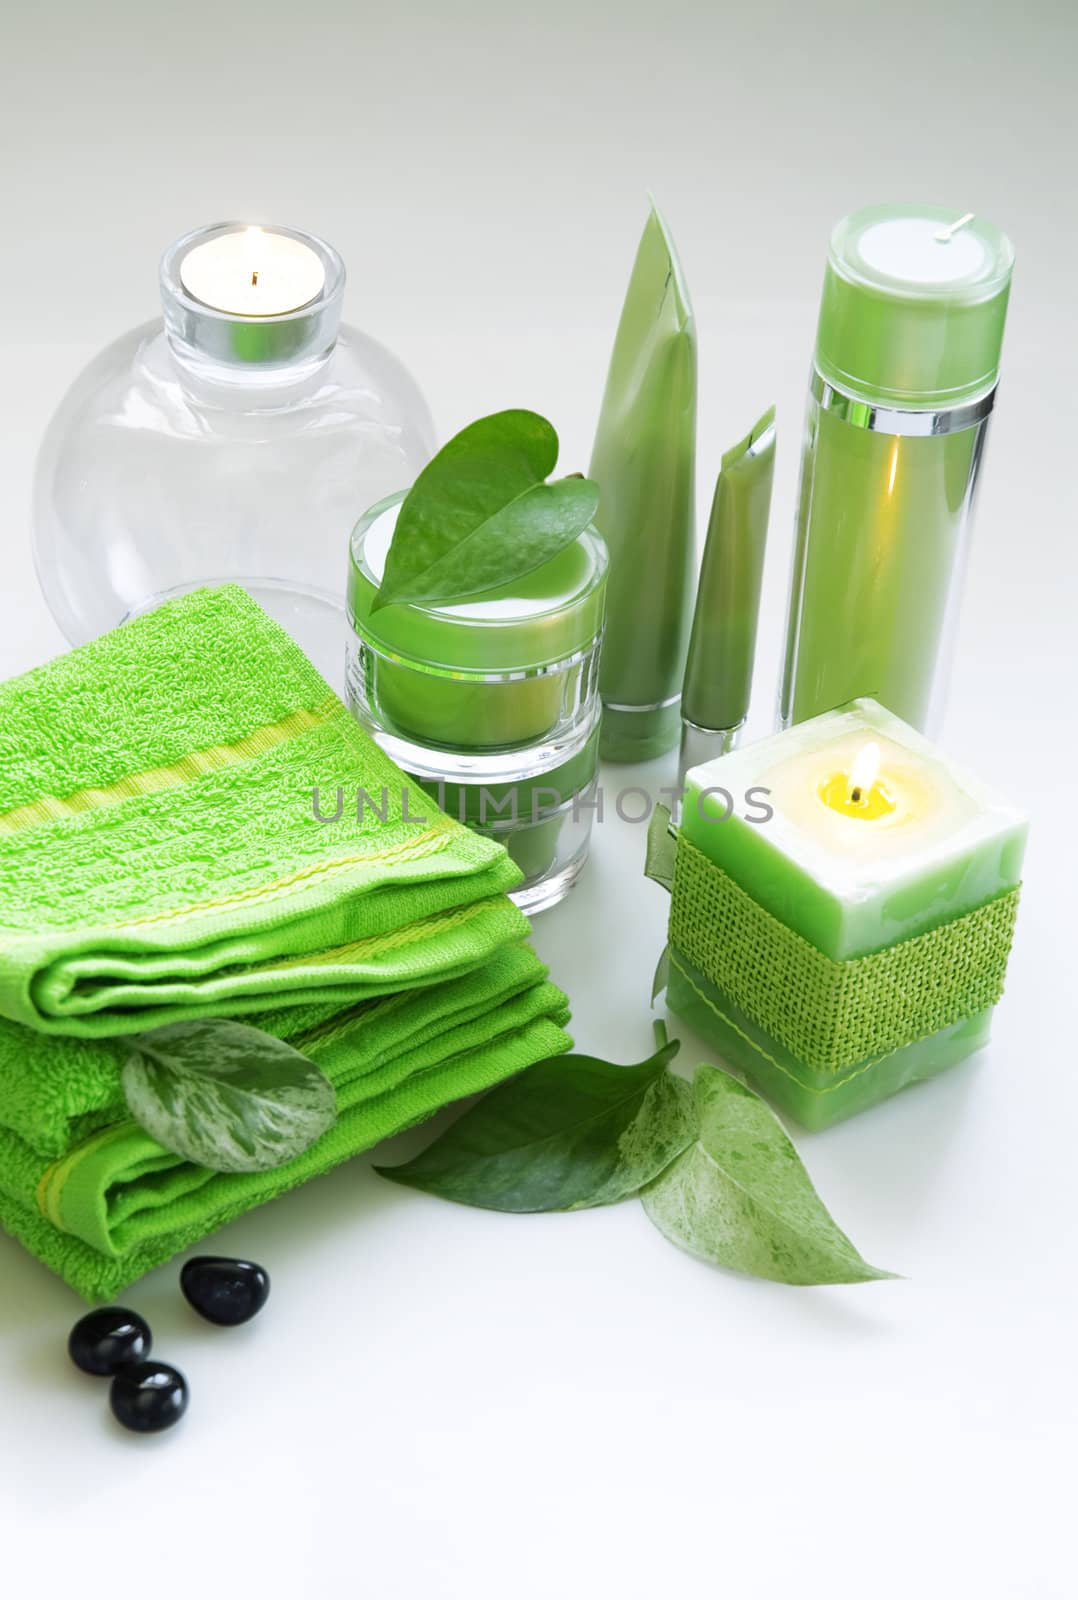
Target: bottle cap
(914, 304)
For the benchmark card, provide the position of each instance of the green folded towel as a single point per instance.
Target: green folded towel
(161, 857)
(160, 854)
(100, 1202)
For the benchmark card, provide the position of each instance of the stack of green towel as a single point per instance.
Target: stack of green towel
(161, 857)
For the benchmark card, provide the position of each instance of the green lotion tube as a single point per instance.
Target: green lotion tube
(722, 648)
(644, 464)
(903, 383)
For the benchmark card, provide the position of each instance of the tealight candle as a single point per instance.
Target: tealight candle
(844, 930)
(253, 272)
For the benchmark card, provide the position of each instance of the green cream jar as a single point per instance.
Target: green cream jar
(490, 704)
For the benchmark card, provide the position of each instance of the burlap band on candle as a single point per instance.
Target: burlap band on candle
(834, 1014)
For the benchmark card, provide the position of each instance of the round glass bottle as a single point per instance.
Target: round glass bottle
(233, 441)
(490, 704)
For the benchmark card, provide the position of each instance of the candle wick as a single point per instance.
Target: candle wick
(945, 235)
(254, 280)
(855, 796)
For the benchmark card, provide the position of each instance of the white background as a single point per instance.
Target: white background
(444, 1403)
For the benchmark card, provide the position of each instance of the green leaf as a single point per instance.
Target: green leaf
(662, 974)
(226, 1096)
(566, 1133)
(740, 1197)
(481, 515)
(661, 851)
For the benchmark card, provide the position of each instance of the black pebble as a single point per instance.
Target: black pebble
(105, 1340)
(223, 1291)
(148, 1397)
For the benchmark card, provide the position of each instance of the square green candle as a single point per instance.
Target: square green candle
(843, 905)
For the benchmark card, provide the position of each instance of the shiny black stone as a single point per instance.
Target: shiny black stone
(107, 1339)
(224, 1291)
(148, 1396)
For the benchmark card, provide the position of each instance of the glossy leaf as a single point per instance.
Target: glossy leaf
(226, 1096)
(740, 1197)
(481, 513)
(564, 1134)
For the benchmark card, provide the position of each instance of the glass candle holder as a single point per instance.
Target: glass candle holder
(901, 390)
(490, 704)
(236, 440)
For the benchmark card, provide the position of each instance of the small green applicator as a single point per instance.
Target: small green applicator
(722, 648)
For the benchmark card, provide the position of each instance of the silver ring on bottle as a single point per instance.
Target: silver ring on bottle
(894, 420)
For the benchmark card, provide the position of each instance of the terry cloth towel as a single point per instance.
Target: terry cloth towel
(160, 853)
(100, 1202)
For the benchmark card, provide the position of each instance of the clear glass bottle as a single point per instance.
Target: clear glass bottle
(490, 704)
(225, 446)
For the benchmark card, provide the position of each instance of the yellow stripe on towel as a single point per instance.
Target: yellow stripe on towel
(398, 939)
(420, 845)
(189, 767)
(51, 1186)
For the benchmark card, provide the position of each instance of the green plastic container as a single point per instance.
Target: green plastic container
(490, 704)
(902, 387)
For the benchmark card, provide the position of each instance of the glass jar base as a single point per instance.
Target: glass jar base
(551, 888)
(538, 802)
(550, 850)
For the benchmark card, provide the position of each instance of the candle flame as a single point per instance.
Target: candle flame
(894, 469)
(864, 771)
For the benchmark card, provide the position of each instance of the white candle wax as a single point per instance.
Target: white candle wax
(253, 272)
(918, 251)
(854, 871)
